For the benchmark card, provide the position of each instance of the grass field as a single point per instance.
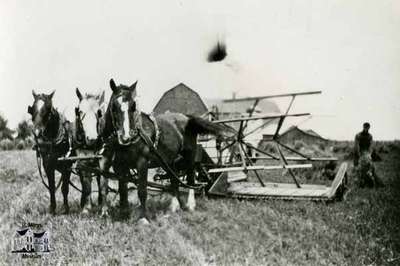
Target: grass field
(363, 230)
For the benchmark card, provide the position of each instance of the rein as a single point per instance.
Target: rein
(133, 132)
(61, 136)
(166, 166)
(139, 134)
(80, 132)
(39, 161)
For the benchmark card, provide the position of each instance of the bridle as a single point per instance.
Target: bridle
(133, 133)
(46, 121)
(80, 132)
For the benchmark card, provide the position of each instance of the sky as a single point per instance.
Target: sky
(349, 49)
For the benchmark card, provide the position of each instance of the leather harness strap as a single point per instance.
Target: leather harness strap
(62, 135)
(156, 129)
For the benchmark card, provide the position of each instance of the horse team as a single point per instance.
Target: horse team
(116, 131)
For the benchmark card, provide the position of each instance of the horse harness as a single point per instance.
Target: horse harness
(138, 134)
(138, 127)
(45, 146)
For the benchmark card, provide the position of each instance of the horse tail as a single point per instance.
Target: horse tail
(199, 125)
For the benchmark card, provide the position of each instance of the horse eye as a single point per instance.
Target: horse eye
(99, 114)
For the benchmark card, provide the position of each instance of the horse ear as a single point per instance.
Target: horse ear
(133, 89)
(34, 94)
(78, 93)
(112, 85)
(133, 86)
(51, 94)
(102, 96)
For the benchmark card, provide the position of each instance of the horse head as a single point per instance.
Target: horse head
(89, 117)
(123, 110)
(41, 111)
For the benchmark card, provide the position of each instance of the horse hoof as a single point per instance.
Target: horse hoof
(190, 207)
(143, 221)
(85, 211)
(104, 213)
(174, 205)
(65, 210)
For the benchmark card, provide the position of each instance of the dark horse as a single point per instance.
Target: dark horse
(174, 135)
(89, 123)
(51, 133)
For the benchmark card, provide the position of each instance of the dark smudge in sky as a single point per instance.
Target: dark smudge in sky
(217, 53)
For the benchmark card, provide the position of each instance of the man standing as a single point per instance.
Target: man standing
(362, 158)
(362, 143)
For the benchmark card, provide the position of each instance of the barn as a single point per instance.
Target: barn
(181, 99)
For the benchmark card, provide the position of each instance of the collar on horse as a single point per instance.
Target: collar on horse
(138, 126)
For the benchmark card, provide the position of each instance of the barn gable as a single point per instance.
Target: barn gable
(181, 99)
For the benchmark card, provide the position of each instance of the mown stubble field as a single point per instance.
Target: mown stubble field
(362, 230)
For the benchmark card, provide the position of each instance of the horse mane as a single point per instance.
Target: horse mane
(91, 95)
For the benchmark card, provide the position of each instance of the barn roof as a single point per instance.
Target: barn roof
(181, 99)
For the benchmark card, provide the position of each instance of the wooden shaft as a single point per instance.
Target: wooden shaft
(272, 96)
(251, 163)
(286, 163)
(78, 158)
(239, 119)
(258, 167)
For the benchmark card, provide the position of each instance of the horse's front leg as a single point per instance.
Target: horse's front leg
(175, 202)
(49, 170)
(104, 165)
(66, 174)
(190, 175)
(122, 172)
(142, 168)
(86, 182)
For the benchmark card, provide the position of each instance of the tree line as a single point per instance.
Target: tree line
(19, 138)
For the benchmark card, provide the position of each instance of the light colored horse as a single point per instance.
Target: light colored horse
(89, 121)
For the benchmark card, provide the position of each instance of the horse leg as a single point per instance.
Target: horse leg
(175, 203)
(123, 195)
(189, 154)
(104, 165)
(86, 191)
(100, 196)
(49, 169)
(142, 168)
(190, 175)
(65, 189)
(122, 172)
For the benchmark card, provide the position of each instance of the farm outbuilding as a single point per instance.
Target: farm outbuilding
(181, 99)
(308, 136)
